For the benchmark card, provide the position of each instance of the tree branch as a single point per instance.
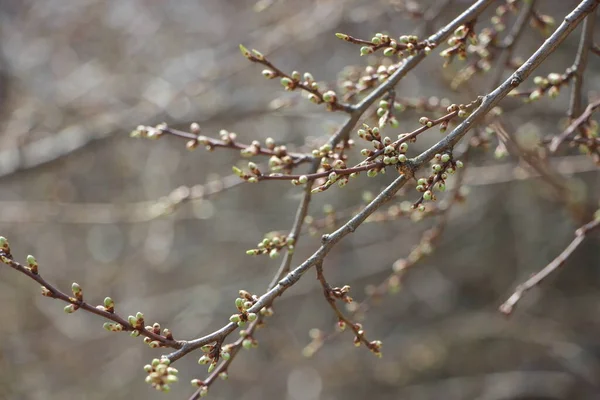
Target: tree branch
(508, 306)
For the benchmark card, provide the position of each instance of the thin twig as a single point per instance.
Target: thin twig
(585, 43)
(333, 294)
(509, 42)
(508, 306)
(574, 126)
(51, 291)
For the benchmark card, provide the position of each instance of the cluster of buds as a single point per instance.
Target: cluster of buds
(487, 40)
(77, 298)
(443, 165)
(498, 20)
(295, 80)
(405, 45)
(360, 337)
(281, 160)
(463, 35)
(341, 293)
(384, 112)
(160, 374)
(353, 81)
(392, 152)
(549, 85)
(156, 329)
(273, 244)
(212, 354)
(243, 303)
(587, 139)
(148, 132)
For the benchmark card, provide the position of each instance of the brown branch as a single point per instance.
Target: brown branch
(77, 302)
(511, 40)
(585, 43)
(574, 126)
(334, 294)
(508, 306)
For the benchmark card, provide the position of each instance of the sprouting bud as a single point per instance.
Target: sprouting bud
(252, 317)
(235, 318)
(535, 95)
(109, 303)
(267, 73)
(4, 244)
(389, 51)
(329, 96)
(247, 343)
(403, 147)
(203, 391)
(427, 195)
(239, 303)
(31, 260)
(70, 308)
(445, 158)
(245, 51)
(554, 78)
(436, 167)
(287, 82)
(366, 50)
(212, 367)
(459, 164)
(258, 55)
(76, 289)
(342, 36)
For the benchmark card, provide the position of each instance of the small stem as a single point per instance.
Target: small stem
(508, 306)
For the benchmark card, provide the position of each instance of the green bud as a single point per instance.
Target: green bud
(239, 303)
(366, 50)
(75, 288)
(259, 56)
(245, 51)
(108, 302)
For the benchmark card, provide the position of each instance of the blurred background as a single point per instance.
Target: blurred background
(80, 195)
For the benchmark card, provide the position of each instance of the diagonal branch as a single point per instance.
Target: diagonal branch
(508, 306)
(585, 44)
(576, 124)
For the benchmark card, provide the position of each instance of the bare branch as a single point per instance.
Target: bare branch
(508, 306)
